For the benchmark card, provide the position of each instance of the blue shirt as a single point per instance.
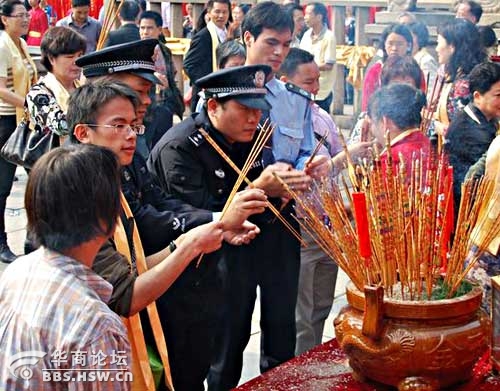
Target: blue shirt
(293, 138)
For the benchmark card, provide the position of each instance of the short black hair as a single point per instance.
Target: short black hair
(292, 61)
(129, 10)
(487, 36)
(397, 67)
(6, 9)
(475, 8)
(267, 15)
(290, 7)
(320, 9)
(210, 4)
(401, 103)
(399, 29)
(483, 76)
(80, 3)
(86, 101)
(60, 40)
(73, 196)
(153, 15)
(228, 49)
(421, 31)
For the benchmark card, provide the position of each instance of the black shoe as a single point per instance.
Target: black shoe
(6, 256)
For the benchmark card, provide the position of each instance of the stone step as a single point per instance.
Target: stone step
(429, 18)
(373, 31)
(434, 18)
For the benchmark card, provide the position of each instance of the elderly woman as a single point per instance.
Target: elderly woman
(17, 74)
(47, 100)
(395, 109)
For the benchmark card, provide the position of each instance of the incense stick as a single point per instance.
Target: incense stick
(258, 145)
(271, 207)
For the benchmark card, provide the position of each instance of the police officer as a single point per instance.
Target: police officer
(188, 166)
(160, 218)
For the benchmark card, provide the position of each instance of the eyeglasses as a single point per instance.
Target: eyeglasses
(21, 16)
(396, 44)
(121, 129)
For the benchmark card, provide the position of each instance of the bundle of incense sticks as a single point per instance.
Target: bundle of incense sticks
(399, 227)
(228, 160)
(263, 135)
(111, 12)
(432, 102)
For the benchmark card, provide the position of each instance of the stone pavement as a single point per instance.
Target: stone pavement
(16, 232)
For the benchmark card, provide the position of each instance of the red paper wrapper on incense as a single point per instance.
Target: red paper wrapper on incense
(361, 218)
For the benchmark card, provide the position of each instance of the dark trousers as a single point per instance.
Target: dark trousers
(189, 314)
(7, 170)
(272, 262)
(325, 103)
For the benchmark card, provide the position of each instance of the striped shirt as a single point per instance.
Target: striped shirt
(54, 307)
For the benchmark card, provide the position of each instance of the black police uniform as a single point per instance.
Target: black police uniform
(190, 309)
(160, 217)
(187, 166)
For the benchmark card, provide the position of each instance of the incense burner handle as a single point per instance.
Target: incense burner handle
(374, 312)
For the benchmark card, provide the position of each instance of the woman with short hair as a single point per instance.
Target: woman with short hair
(47, 100)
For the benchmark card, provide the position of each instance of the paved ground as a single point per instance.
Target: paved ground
(16, 232)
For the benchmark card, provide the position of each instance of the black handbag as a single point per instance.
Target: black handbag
(25, 145)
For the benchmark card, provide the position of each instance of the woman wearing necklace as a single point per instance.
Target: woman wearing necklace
(17, 74)
(47, 100)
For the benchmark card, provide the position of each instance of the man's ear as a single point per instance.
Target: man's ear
(248, 38)
(211, 105)
(283, 78)
(81, 133)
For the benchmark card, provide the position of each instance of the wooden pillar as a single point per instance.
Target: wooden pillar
(176, 20)
(362, 17)
(360, 38)
(338, 85)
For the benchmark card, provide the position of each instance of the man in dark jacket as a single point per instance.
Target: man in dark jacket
(128, 31)
(200, 58)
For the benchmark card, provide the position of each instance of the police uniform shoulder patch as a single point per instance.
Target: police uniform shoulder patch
(196, 138)
(297, 90)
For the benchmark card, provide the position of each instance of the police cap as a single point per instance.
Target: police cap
(245, 84)
(132, 57)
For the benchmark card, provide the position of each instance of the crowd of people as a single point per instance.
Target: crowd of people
(120, 215)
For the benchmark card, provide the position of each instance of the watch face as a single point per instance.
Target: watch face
(495, 313)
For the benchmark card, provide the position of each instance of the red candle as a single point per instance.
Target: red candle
(361, 218)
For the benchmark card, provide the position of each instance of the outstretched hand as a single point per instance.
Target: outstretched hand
(247, 232)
